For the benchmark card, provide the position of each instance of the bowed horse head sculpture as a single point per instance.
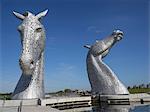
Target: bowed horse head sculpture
(102, 79)
(32, 32)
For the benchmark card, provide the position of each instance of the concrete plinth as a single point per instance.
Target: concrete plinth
(28, 109)
(121, 99)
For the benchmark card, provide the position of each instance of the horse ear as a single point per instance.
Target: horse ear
(87, 46)
(42, 14)
(20, 16)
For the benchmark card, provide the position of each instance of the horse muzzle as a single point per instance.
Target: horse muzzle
(118, 34)
(27, 66)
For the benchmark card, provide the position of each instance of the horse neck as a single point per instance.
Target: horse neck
(101, 76)
(37, 81)
(100, 66)
(96, 61)
(38, 72)
(31, 86)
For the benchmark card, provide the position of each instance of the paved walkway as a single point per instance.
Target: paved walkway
(29, 109)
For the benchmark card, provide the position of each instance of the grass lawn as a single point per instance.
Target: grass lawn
(6, 96)
(139, 90)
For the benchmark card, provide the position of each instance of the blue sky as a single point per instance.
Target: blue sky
(69, 25)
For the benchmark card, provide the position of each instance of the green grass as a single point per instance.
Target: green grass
(139, 90)
(6, 96)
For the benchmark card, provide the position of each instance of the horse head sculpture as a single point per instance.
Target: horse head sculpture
(102, 79)
(32, 32)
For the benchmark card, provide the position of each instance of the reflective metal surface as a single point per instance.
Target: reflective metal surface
(102, 79)
(31, 83)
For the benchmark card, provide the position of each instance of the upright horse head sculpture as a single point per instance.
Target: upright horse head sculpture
(102, 79)
(31, 83)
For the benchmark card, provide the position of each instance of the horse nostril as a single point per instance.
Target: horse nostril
(32, 62)
(20, 61)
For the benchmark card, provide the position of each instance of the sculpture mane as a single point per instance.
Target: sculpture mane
(102, 79)
(31, 83)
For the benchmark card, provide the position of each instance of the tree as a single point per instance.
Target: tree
(148, 85)
(67, 90)
(134, 86)
(129, 87)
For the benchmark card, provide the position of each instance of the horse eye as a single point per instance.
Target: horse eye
(19, 30)
(39, 29)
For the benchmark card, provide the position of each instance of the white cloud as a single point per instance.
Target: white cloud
(64, 67)
(90, 28)
(94, 29)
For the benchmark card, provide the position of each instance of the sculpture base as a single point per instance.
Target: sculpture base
(142, 98)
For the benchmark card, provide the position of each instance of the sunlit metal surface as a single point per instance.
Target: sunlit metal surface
(102, 79)
(31, 83)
